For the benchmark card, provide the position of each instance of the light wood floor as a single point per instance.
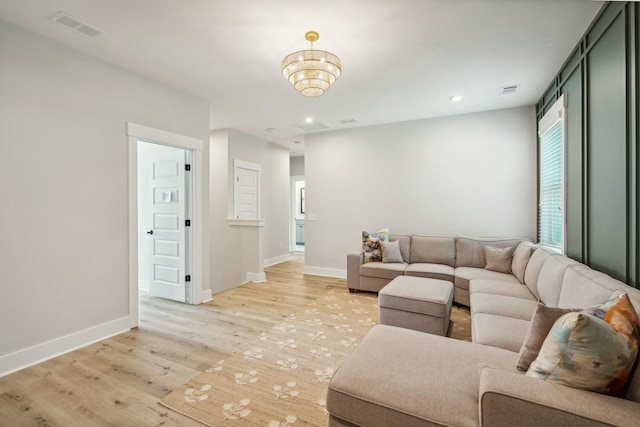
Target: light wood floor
(118, 381)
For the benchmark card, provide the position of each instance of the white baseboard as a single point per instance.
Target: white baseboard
(143, 285)
(256, 277)
(326, 272)
(21, 359)
(276, 260)
(205, 296)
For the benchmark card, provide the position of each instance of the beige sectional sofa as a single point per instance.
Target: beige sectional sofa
(397, 376)
(456, 259)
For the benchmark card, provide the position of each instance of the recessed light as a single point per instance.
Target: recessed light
(455, 98)
(308, 120)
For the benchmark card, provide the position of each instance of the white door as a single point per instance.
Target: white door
(168, 233)
(246, 197)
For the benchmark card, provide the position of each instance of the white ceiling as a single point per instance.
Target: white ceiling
(402, 59)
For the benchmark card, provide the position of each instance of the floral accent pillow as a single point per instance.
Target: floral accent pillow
(593, 349)
(371, 244)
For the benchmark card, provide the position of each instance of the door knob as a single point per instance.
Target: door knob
(150, 232)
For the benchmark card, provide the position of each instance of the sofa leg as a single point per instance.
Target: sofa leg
(352, 291)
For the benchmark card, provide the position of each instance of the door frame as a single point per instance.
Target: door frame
(137, 133)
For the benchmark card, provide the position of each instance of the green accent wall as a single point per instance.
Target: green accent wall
(600, 80)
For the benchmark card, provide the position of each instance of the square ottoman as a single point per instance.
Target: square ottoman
(417, 303)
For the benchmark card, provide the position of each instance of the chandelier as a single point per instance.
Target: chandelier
(311, 71)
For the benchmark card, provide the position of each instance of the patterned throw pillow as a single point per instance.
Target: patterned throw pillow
(371, 244)
(593, 349)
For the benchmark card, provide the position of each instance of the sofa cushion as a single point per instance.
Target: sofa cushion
(382, 270)
(371, 244)
(498, 259)
(391, 252)
(521, 256)
(583, 287)
(433, 250)
(465, 274)
(432, 380)
(470, 250)
(502, 305)
(433, 271)
(593, 349)
(499, 287)
(550, 278)
(532, 272)
(405, 245)
(541, 323)
(499, 331)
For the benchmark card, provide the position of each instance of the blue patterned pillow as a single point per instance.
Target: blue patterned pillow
(593, 349)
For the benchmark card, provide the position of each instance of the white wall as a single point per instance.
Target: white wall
(235, 250)
(64, 259)
(471, 174)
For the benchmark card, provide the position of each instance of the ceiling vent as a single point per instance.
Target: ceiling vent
(313, 127)
(348, 121)
(74, 24)
(508, 90)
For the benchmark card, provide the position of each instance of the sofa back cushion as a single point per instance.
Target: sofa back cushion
(470, 250)
(521, 256)
(532, 272)
(551, 277)
(405, 242)
(433, 249)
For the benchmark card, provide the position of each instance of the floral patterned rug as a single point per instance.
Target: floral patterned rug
(281, 379)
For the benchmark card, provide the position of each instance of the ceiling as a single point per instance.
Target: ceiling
(402, 59)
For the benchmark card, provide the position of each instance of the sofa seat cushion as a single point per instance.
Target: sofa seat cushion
(382, 270)
(432, 271)
(499, 331)
(499, 287)
(502, 305)
(464, 274)
(400, 377)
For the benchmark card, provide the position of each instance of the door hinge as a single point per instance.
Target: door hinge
(187, 278)
(187, 223)
(187, 167)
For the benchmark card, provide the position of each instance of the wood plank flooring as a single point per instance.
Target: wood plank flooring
(118, 381)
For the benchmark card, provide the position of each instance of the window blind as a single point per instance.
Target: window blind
(550, 214)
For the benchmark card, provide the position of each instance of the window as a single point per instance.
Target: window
(551, 217)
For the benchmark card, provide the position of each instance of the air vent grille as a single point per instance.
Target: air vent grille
(76, 25)
(348, 121)
(313, 127)
(508, 90)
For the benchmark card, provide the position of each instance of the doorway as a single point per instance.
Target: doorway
(193, 273)
(298, 208)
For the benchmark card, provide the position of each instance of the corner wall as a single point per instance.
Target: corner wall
(471, 174)
(236, 250)
(64, 258)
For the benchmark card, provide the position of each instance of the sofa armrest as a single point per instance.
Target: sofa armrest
(508, 399)
(354, 261)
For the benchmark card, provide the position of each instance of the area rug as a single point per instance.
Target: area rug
(281, 379)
